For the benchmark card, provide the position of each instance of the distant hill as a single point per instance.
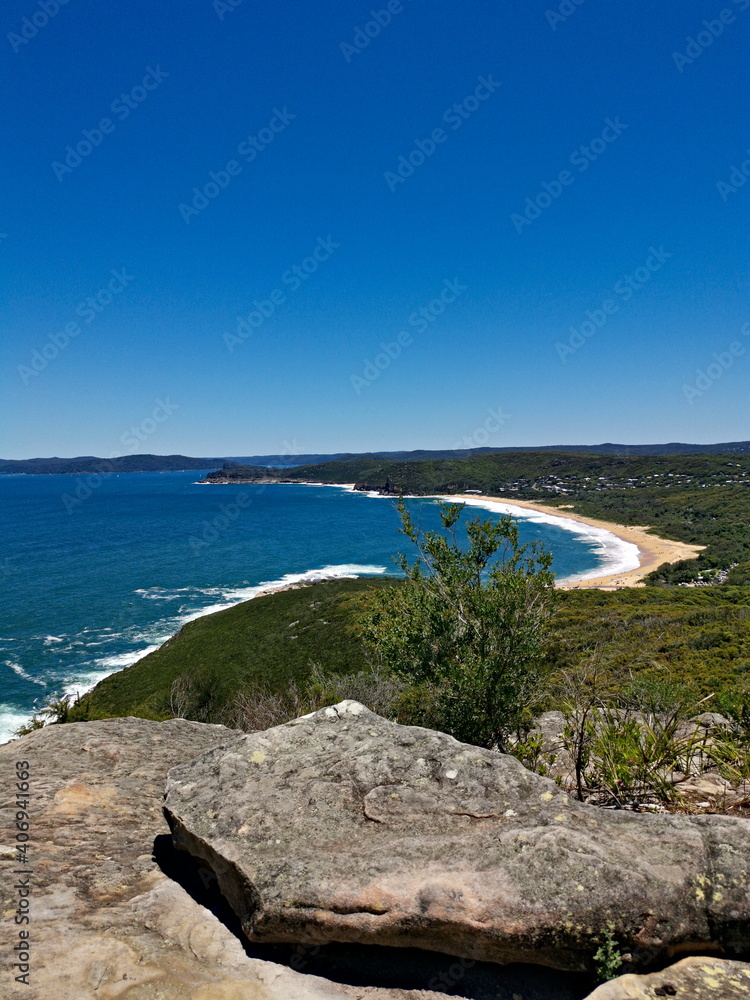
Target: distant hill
(89, 464)
(421, 454)
(182, 463)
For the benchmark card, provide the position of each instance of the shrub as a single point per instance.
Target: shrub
(468, 626)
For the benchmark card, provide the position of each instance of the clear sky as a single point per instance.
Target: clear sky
(558, 188)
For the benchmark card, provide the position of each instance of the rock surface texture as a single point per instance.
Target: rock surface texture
(105, 922)
(690, 979)
(343, 826)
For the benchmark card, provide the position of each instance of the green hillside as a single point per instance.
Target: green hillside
(266, 642)
(700, 636)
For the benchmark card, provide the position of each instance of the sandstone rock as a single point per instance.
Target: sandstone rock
(106, 923)
(690, 979)
(558, 760)
(342, 826)
(705, 786)
(712, 720)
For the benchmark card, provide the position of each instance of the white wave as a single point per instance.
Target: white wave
(102, 667)
(174, 593)
(346, 487)
(152, 639)
(80, 684)
(615, 554)
(158, 594)
(10, 720)
(119, 660)
(18, 669)
(50, 639)
(343, 571)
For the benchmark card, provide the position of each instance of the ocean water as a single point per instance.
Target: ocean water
(95, 575)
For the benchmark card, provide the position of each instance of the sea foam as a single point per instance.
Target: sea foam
(615, 554)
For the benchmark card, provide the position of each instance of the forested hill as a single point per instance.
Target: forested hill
(548, 475)
(702, 499)
(90, 464)
(178, 463)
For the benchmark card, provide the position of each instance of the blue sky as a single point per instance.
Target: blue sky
(557, 219)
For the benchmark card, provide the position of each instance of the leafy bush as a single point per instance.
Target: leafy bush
(468, 626)
(55, 710)
(607, 957)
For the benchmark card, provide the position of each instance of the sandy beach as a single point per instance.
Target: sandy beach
(652, 550)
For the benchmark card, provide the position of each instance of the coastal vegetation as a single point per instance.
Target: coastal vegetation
(697, 638)
(268, 644)
(467, 627)
(620, 657)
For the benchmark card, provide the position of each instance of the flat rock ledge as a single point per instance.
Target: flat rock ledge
(106, 923)
(343, 826)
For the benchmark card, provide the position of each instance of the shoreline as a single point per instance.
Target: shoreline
(289, 581)
(652, 549)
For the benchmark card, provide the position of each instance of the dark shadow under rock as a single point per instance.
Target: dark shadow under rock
(370, 965)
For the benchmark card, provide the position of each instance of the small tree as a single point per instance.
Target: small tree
(469, 623)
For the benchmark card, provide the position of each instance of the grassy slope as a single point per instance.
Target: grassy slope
(254, 642)
(702, 636)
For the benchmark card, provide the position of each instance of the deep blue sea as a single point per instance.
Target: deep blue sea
(93, 582)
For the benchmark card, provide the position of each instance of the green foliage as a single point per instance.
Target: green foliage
(57, 709)
(607, 957)
(630, 740)
(632, 758)
(529, 749)
(469, 623)
(267, 643)
(700, 635)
